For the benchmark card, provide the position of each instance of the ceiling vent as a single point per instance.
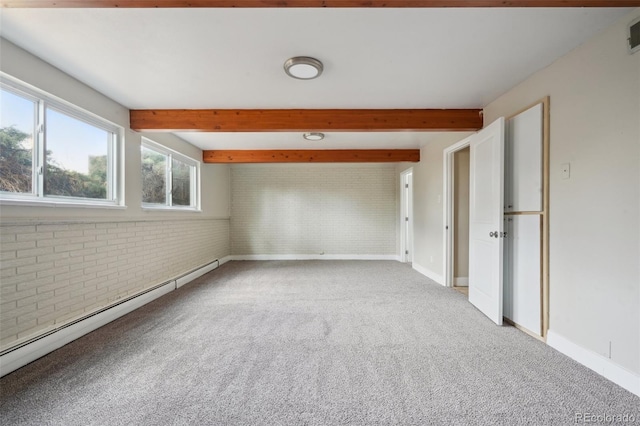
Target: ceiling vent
(634, 36)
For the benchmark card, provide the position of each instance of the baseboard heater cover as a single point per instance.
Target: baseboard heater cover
(314, 257)
(29, 351)
(197, 273)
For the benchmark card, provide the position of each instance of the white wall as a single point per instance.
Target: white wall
(60, 263)
(32, 70)
(308, 209)
(427, 205)
(595, 215)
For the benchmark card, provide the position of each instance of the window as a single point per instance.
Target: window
(169, 179)
(53, 151)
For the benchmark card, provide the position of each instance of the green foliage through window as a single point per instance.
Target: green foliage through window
(16, 161)
(154, 177)
(72, 156)
(168, 179)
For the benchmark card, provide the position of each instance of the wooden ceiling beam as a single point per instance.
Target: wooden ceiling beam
(314, 3)
(306, 120)
(312, 156)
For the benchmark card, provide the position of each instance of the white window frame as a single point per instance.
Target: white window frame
(194, 189)
(45, 101)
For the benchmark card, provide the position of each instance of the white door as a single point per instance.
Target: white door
(522, 271)
(407, 216)
(486, 220)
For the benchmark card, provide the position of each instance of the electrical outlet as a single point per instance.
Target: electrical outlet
(565, 170)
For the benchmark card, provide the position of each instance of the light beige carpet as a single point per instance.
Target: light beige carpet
(308, 343)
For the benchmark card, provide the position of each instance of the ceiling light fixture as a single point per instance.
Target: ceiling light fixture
(303, 67)
(313, 136)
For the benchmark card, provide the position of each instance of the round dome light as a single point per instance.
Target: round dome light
(303, 67)
(313, 136)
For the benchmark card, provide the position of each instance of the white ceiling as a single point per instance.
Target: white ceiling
(289, 140)
(232, 58)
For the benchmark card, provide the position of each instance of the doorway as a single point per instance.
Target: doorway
(456, 245)
(460, 229)
(406, 216)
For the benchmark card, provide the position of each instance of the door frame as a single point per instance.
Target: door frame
(406, 210)
(449, 208)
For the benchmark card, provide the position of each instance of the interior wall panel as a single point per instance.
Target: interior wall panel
(314, 209)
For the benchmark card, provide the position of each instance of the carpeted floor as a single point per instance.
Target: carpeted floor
(308, 343)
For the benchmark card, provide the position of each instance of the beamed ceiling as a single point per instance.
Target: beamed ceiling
(396, 72)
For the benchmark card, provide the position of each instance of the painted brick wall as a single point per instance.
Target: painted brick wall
(313, 208)
(51, 273)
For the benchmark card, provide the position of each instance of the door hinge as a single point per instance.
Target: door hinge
(406, 219)
(406, 185)
(406, 252)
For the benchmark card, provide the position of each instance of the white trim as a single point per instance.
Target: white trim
(428, 273)
(161, 149)
(637, 48)
(461, 281)
(224, 260)
(596, 362)
(60, 104)
(162, 207)
(447, 191)
(197, 273)
(194, 177)
(25, 354)
(44, 101)
(315, 257)
(17, 221)
(39, 347)
(11, 200)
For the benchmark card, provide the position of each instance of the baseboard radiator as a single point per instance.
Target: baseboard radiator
(22, 354)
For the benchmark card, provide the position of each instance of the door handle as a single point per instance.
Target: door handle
(493, 234)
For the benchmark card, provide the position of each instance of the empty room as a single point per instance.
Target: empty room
(335, 212)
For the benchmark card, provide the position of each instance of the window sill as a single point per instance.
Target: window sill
(170, 209)
(58, 203)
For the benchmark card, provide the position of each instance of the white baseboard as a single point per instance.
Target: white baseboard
(25, 354)
(428, 273)
(461, 281)
(596, 362)
(39, 347)
(315, 257)
(225, 260)
(197, 273)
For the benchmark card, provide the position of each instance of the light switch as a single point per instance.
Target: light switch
(566, 170)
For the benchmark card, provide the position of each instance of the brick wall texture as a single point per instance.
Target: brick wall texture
(295, 209)
(52, 273)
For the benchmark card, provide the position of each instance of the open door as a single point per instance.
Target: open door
(406, 211)
(486, 220)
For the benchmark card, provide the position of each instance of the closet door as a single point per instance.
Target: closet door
(522, 279)
(523, 161)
